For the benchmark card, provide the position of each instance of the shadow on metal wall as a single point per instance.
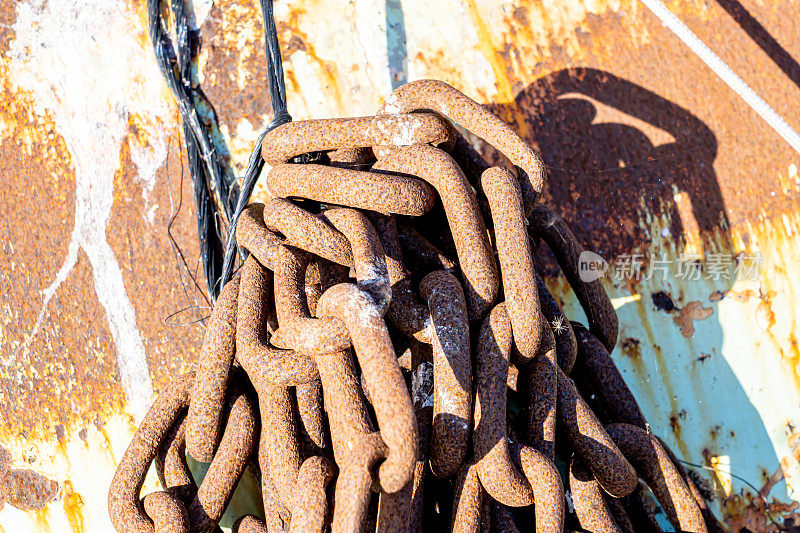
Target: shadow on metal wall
(605, 177)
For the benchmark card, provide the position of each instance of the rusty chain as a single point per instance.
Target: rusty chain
(389, 314)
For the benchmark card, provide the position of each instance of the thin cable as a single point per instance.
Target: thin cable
(756, 490)
(277, 87)
(180, 258)
(277, 94)
(725, 73)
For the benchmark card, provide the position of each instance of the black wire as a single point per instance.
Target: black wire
(182, 37)
(186, 92)
(277, 87)
(206, 165)
(211, 250)
(277, 94)
(181, 263)
(194, 131)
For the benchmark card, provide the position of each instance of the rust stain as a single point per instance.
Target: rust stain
(771, 481)
(790, 355)
(73, 508)
(741, 296)
(107, 444)
(498, 58)
(632, 348)
(675, 425)
(765, 316)
(232, 38)
(684, 316)
(485, 44)
(83, 435)
(664, 372)
(748, 512)
(794, 444)
(41, 521)
(674, 422)
(688, 314)
(66, 389)
(297, 40)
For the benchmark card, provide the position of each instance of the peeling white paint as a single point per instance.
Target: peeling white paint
(390, 104)
(148, 159)
(198, 12)
(406, 134)
(369, 28)
(454, 43)
(85, 66)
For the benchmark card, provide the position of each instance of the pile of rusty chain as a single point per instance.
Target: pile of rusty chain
(379, 370)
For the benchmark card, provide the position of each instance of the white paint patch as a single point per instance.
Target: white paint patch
(369, 28)
(86, 65)
(452, 52)
(390, 106)
(148, 159)
(406, 135)
(314, 95)
(422, 385)
(198, 12)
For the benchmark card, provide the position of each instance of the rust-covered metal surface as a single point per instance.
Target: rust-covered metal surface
(652, 158)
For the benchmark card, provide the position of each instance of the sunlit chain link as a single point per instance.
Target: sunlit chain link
(171, 465)
(452, 371)
(124, 507)
(591, 507)
(167, 512)
(296, 138)
(369, 260)
(449, 102)
(466, 224)
(389, 358)
(657, 470)
(214, 363)
(226, 468)
(390, 399)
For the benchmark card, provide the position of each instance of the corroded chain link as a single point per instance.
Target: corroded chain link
(389, 333)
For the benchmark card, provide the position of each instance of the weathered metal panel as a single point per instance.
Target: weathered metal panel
(649, 153)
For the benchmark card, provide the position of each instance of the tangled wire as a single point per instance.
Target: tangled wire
(389, 359)
(218, 197)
